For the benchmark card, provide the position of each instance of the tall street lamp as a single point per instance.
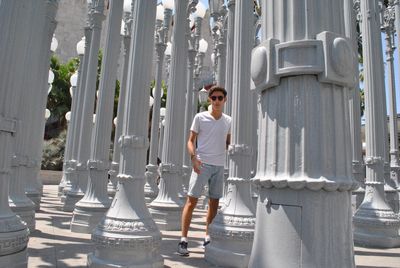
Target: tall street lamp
(163, 21)
(126, 28)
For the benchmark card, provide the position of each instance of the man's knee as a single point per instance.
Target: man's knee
(191, 202)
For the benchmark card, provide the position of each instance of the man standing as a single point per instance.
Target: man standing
(212, 132)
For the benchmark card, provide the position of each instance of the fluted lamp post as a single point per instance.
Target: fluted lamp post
(126, 26)
(166, 209)
(163, 19)
(33, 186)
(67, 154)
(191, 93)
(161, 126)
(219, 13)
(127, 235)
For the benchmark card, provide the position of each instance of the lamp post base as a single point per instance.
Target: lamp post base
(166, 215)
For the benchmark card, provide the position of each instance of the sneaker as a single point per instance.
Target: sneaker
(182, 248)
(206, 242)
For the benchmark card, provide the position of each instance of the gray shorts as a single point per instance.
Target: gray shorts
(210, 175)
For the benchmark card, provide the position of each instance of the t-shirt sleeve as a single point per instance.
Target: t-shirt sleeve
(195, 124)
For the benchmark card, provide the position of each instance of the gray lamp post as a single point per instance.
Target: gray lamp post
(167, 207)
(126, 33)
(24, 36)
(352, 13)
(375, 223)
(71, 192)
(219, 13)
(304, 153)
(163, 20)
(85, 135)
(197, 97)
(68, 145)
(90, 209)
(228, 77)
(190, 91)
(232, 230)
(80, 49)
(388, 28)
(127, 235)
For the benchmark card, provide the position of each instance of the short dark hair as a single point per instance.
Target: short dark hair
(216, 88)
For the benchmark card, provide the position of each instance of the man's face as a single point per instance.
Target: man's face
(217, 100)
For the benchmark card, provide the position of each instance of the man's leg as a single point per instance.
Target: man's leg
(211, 212)
(187, 214)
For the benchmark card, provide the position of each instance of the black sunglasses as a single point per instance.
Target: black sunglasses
(214, 98)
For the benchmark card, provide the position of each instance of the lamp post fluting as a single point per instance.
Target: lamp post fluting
(128, 223)
(90, 209)
(22, 160)
(16, 24)
(33, 184)
(232, 230)
(396, 5)
(352, 13)
(230, 33)
(389, 28)
(68, 196)
(114, 168)
(190, 91)
(304, 150)
(219, 32)
(74, 81)
(391, 168)
(194, 50)
(85, 135)
(161, 37)
(375, 223)
(167, 207)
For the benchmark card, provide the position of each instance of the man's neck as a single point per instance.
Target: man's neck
(216, 114)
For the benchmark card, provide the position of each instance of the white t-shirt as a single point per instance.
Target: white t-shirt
(211, 137)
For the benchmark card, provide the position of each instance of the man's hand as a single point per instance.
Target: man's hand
(196, 163)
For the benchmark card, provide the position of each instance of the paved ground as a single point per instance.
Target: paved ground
(53, 245)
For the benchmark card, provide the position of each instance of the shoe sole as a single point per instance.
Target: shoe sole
(183, 254)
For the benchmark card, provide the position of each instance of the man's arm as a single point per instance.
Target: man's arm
(228, 140)
(191, 147)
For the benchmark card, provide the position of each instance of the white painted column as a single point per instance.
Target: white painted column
(18, 201)
(114, 168)
(68, 202)
(232, 229)
(161, 37)
(73, 118)
(127, 236)
(16, 19)
(230, 34)
(166, 209)
(91, 208)
(85, 136)
(191, 99)
(388, 28)
(302, 70)
(375, 223)
(34, 186)
(351, 11)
